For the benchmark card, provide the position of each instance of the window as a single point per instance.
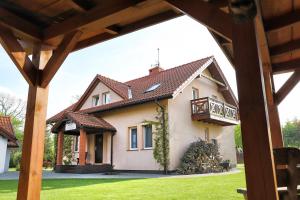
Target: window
(133, 139)
(153, 87)
(195, 93)
(206, 131)
(106, 98)
(95, 100)
(147, 130)
(76, 143)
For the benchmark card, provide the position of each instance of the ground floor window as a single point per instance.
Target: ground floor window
(76, 143)
(147, 130)
(206, 131)
(133, 138)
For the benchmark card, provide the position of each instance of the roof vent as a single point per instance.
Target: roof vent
(153, 87)
(155, 70)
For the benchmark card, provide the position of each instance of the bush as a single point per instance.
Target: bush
(201, 157)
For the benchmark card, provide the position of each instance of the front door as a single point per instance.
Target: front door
(99, 148)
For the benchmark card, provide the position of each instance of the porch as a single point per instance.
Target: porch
(92, 144)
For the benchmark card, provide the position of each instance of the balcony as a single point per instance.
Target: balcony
(214, 111)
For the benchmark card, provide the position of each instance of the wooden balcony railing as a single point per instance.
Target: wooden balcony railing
(214, 111)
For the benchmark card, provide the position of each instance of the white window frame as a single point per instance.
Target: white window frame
(196, 90)
(130, 137)
(106, 98)
(144, 136)
(94, 101)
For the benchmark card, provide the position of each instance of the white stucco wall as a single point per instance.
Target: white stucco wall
(3, 149)
(122, 119)
(7, 158)
(184, 131)
(99, 89)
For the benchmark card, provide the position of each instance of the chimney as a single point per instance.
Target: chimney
(155, 70)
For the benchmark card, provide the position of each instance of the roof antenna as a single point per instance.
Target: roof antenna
(158, 64)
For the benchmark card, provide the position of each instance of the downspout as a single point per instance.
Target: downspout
(112, 149)
(164, 136)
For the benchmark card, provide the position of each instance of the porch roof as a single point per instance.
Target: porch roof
(83, 120)
(7, 131)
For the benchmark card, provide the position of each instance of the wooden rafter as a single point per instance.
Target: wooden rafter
(12, 21)
(285, 48)
(207, 14)
(282, 21)
(58, 57)
(287, 66)
(287, 87)
(118, 31)
(104, 9)
(18, 55)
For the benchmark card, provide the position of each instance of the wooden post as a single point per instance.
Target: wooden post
(60, 146)
(82, 147)
(258, 153)
(274, 120)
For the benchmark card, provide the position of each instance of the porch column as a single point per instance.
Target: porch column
(82, 147)
(258, 153)
(60, 146)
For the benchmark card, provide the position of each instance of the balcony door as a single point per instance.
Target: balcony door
(99, 148)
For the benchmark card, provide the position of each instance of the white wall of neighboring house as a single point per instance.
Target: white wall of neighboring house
(7, 158)
(99, 89)
(184, 131)
(3, 149)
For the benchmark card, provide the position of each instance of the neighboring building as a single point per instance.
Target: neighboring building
(8, 142)
(108, 122)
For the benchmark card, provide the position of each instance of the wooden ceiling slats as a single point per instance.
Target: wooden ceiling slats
(282, 21)
(105, 9)
(285, 48)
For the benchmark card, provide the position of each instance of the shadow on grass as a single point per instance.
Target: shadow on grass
(11, 186)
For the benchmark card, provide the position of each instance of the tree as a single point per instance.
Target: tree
(291, 133)
(238, 137)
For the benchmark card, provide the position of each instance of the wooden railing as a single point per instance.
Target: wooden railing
(207, 105)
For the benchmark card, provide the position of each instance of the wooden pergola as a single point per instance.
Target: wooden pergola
(260, 38)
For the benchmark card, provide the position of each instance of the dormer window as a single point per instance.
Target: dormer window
(95, 100)
(106, 98)
(153, 87)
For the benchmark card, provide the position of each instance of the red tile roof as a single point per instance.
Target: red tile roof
(170, 80)
(84, 120)
(7, 131)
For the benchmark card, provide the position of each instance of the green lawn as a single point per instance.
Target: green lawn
(213, 187)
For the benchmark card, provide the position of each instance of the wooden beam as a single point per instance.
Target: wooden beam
(16, 23)
(104, 9)
(287, 87)
(149, 21)
(58, 57)
(256, 136)
(207, 14)
(82, 146)
(34, 134)
(282, 21)
(60, 147)
(285, 67)
(285, 48)
(18, 55)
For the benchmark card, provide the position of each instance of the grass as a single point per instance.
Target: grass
(212, 187)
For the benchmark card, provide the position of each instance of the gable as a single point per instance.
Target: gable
(99, 89)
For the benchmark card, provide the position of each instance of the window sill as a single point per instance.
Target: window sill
(132, 149)
(148, 148)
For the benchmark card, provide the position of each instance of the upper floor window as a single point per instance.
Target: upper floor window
(133, 138)
(195, 93)
(106, 98)
(147, 130)
(152, 87)
(95, 100)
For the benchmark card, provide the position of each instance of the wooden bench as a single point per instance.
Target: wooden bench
(287, 162)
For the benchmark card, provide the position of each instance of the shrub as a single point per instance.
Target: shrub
(201, 157)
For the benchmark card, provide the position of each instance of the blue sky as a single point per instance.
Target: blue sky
(181, 40)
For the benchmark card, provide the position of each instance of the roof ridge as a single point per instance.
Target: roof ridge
(172, 68)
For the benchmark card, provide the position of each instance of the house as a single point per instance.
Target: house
(108, 121)
(8, 142)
